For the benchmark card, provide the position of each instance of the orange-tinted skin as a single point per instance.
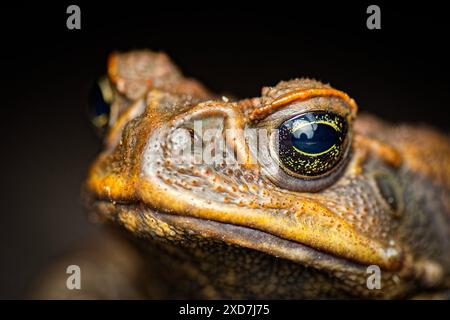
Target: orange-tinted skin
(389, 206)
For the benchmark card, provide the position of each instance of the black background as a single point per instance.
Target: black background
(399, 73)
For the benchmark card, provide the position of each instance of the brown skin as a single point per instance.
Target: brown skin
(241, 231)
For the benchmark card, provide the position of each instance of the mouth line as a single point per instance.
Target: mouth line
(254, 239)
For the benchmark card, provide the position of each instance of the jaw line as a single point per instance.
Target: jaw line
(259, 240)
(231, 234)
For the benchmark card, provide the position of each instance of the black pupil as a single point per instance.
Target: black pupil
(99, 107)
(312, 143)
(97, 104)
(314, 138)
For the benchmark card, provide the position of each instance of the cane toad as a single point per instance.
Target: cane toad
(299, 209)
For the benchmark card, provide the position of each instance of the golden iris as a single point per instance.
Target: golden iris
(312, 143)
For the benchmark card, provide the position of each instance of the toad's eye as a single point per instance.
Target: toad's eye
(311, 144)
(100, 99)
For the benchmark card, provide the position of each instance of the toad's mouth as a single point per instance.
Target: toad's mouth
(262, 241)
(144, 221)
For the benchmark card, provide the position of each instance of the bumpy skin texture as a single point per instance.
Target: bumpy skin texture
(239, 231)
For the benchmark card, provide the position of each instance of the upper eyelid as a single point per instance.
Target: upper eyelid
(294, 109)
(303, 95)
